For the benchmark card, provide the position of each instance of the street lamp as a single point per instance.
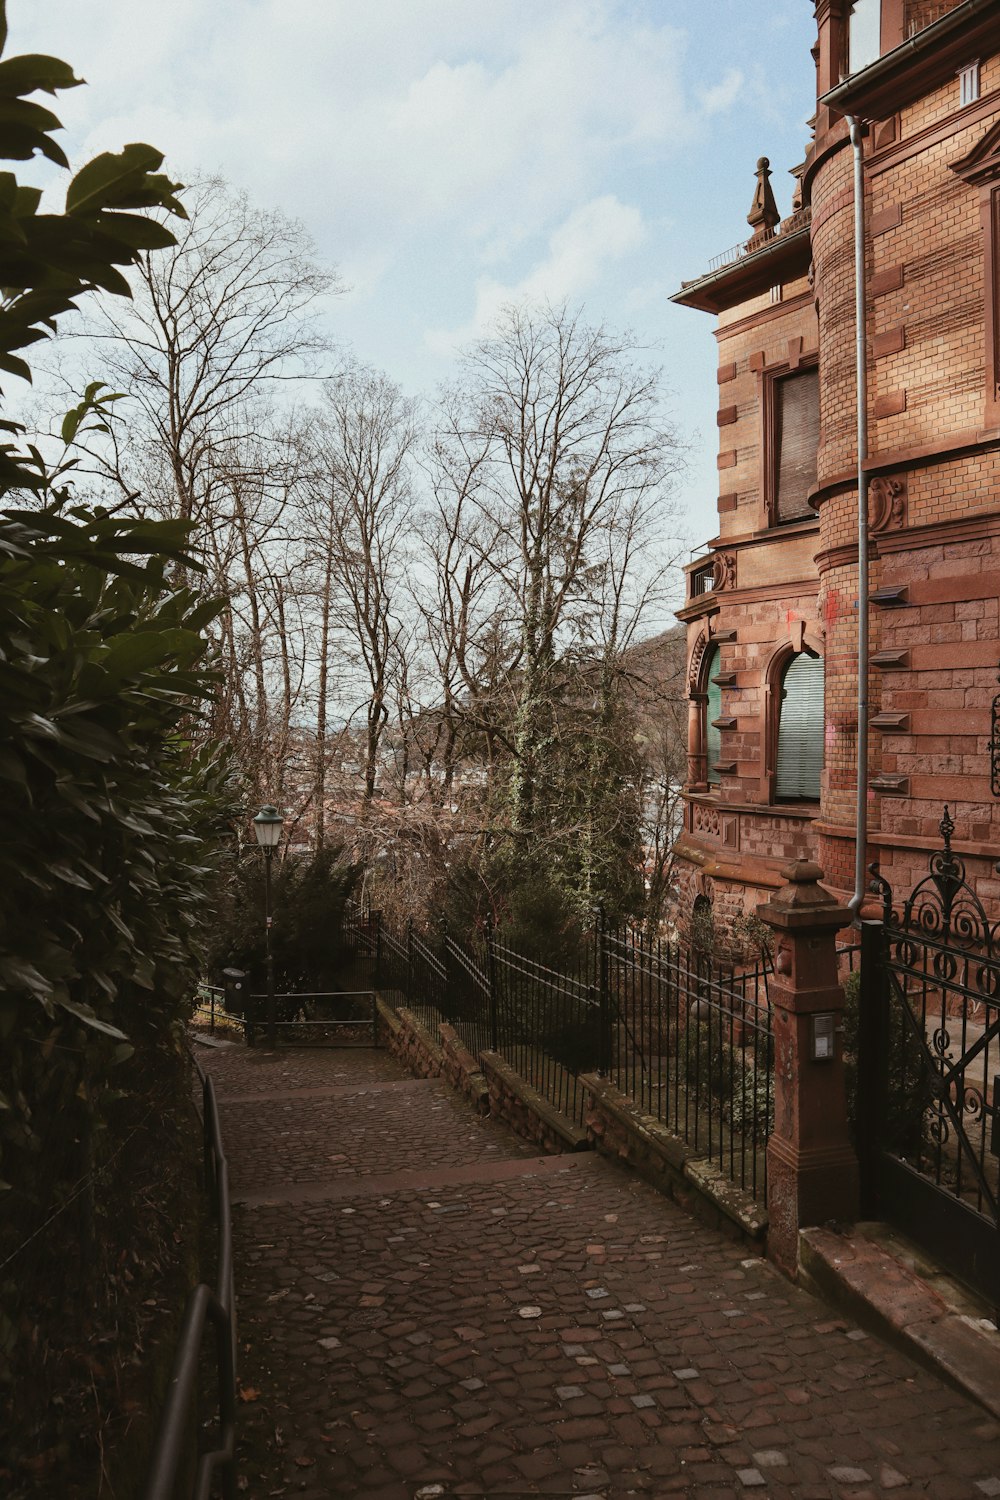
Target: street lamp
(267, 826)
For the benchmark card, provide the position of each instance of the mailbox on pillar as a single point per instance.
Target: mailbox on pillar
(822, 1036)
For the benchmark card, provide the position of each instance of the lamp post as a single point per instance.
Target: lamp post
(267, 826)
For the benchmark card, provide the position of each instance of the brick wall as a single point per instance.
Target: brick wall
(934, 514)
(934, 254)
(924, 260)
(761, 336)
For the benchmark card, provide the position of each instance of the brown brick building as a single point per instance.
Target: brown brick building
(774, 604)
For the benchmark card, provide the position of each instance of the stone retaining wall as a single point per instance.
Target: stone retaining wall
(462, 1071)
(406, 1038)
(490, 1086)
(619, 1128)
(614, 1124)
(527, 1113)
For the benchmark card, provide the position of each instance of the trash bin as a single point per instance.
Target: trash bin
(235, 991)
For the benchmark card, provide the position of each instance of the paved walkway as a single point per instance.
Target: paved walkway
(427, 1309)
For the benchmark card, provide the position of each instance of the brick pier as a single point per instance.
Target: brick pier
(427, 1307)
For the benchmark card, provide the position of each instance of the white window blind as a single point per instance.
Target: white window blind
(968, 84)
(796, 440)
(800, 731)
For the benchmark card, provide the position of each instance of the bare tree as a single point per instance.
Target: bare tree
(226, 314)
(469, 633)
(568, 461)
(359, 504)
(222, 330)
(253, 554)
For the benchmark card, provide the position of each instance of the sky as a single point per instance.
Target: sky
(451, 156)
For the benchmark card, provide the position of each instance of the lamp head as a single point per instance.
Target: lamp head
(267, 825)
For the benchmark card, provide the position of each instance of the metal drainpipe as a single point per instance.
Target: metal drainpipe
(862, 387)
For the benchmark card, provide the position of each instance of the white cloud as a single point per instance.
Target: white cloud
(376, 120)
(722, 95)
(580, 251)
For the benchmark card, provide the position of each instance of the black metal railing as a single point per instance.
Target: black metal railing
(319, 1018)
(690, 1041)
(210, 1005)
(180, 1422)
(549, 1026)
(686, 1035)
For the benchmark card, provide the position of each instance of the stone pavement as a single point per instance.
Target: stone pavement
(427, 1308)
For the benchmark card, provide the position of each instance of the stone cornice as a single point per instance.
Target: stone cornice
(750, 275)
(765, 315)
(917, 457)
(884, 840)
(912, 538)
(932, 135)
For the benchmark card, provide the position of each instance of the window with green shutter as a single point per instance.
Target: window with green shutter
(799, 759)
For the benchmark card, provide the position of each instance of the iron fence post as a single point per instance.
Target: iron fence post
(491, 988)
(871, 1062)
(447, 1007)
(375, 919)
(409, 959)
(603, 997)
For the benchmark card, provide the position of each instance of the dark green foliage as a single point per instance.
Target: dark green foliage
(572, 1036)
(718, 1070)
(308, 897)
(534, 913)
(701, 928)
(110, 817)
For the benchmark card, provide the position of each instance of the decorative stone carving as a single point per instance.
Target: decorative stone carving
(763, 215)
(697, 657)
(725, 571)
(887, 503)
(706, 820)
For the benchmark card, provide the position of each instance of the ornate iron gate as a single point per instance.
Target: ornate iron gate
(929, 1070)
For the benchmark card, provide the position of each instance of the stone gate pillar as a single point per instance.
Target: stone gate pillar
(812, 1167)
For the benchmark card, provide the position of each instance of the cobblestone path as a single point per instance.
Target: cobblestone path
(427, 1308)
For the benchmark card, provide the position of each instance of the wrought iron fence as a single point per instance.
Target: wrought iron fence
(930, 1060)
(549, 1026)
(690, 1041)
(685, 1035)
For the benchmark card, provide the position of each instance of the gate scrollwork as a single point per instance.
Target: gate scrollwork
(939, 1044)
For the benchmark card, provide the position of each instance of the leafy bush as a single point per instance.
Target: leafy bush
(110, 815)
(726, 1074)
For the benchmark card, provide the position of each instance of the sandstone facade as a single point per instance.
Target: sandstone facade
(774, 586)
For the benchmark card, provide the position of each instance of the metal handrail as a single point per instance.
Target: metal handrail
(203, 1306)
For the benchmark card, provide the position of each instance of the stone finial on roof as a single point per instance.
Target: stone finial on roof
(763, 215)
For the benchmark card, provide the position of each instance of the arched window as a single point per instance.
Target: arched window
(799, 753)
